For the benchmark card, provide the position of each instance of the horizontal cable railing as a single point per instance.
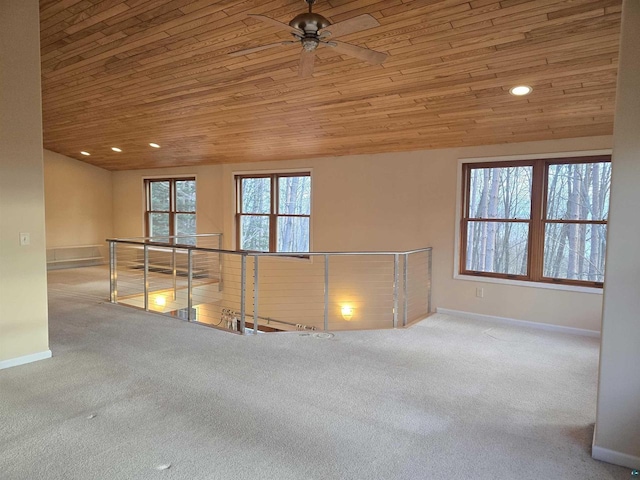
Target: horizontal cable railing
(193, 278)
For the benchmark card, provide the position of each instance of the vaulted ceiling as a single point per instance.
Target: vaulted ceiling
(124, 73)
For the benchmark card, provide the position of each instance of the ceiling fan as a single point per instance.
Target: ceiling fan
(312, 30)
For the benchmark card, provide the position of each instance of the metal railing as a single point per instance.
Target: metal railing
(193, 278)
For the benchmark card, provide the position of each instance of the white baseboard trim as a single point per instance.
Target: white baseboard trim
(617, 458)
(34, 357)
(522, 323)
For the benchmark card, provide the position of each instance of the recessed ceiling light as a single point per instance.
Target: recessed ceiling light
(85, 153)
(116, 149)
(154, 145)
(521, 90)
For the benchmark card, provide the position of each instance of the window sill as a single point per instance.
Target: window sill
(522, 283)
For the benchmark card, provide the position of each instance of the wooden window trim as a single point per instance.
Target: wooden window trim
(273, 209)
(537, 220)
(173, 210)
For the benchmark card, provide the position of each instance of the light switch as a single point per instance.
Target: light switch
(25, 239)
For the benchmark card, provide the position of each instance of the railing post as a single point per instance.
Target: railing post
(326, 293)
(243, 287)
(146, 277)
(405, 298)
(189, 285)
(429, 272)
(396, 262)
(220, 285)
(113, 273)
(174, 273)
(255, 294)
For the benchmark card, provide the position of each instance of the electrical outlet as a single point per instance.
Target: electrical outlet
(25, 239)
(480, 292)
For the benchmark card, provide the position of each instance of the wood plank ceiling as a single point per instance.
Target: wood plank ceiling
(125, 73)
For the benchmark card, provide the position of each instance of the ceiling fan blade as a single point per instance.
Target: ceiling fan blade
(307, 61)
(247, 51)
(355, 24)
(276, 23)
(361, 53)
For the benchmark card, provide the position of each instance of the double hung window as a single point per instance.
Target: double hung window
(170, 208)
(273, 212)
(539, 220)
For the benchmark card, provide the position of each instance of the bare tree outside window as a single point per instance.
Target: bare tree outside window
(542, 220)
(256, 209)
(499, 213)
(273, 212)
(577, 210)
(294, 210)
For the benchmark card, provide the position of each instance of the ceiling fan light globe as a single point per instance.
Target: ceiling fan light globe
(310, 44)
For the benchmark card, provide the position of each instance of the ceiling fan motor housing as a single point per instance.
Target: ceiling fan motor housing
(309, 22)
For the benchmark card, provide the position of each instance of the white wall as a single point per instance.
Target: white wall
(384, 202)
(23, 279)
(617, 436)
(78, 202)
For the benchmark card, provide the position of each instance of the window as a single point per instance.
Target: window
(539, 220)
(273, 212)
(171, 208)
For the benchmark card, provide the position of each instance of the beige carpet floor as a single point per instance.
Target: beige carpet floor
(128, 394)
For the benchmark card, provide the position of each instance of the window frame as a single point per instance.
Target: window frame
(274, 202)
(173, 211)
(537, 221)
